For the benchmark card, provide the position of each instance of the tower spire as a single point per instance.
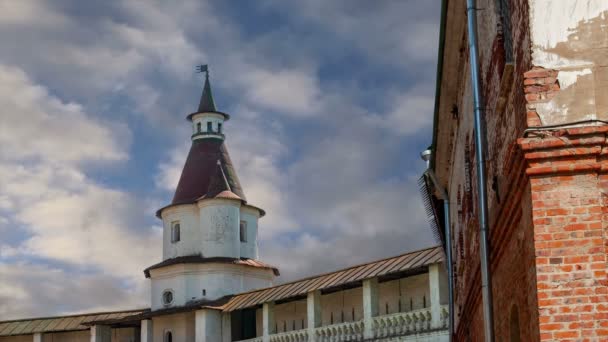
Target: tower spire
(206, 103)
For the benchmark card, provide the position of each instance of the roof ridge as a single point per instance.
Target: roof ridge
(74, 315)
(336, 271)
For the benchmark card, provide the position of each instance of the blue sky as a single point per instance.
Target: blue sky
(331, 103)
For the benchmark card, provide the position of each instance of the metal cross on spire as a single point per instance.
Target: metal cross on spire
(203, 68)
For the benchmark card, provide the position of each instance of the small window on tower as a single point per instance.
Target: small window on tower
(175, 232)
(209, 127)
(198, 127)
(243, 231)
(219, 127)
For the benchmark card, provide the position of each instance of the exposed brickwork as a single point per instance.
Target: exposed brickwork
(511, 234)
(547, 192)
(540, 85)
(568, 187)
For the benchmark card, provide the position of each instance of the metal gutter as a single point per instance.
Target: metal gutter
(480, 152)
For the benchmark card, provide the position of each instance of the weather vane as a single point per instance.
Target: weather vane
(203, 68)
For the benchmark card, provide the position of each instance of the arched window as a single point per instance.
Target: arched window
(198, 127)
(168, 337)
(175, 232)
(209, 129)
(219, 127)
(514, 324)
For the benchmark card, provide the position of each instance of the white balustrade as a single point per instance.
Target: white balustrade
(255, 339)
(348, 331)
(385, 328)
(290, 336)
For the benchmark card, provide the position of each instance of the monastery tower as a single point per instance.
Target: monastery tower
(210, 231)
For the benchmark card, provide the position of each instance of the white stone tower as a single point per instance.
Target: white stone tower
(209, 229)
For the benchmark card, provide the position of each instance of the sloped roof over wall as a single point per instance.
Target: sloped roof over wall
(198, 259)
(352, 275)
(59, 323)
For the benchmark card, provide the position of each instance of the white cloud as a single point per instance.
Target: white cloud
(323, 184)
(38, 291)
(289, 92)
(409, 114)
(47, 196)
(36, 124)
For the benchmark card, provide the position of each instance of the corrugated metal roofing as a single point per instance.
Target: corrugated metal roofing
(397, 264)
(56, 324)
(199, 259)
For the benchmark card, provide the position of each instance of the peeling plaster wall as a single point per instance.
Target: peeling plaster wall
(572, 38)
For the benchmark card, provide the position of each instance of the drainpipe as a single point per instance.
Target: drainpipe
(426, 156)
(480, 144)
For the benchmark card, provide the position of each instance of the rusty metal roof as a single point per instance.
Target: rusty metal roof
(199, 259)
(401, 263)
(57, 324)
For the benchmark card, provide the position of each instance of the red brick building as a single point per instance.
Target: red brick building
(544, 80)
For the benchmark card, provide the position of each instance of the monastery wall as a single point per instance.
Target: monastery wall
(118, 335)
(180, 325)
(512, 253)
(545, 192)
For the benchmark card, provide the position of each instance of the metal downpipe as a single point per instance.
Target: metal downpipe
(448, 249)
(480, 151)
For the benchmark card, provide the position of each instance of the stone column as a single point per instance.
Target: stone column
(313, 313)
(435, 295)
(370, 305)
(146, 334)
(101, 333)
(268, 323)
(226, 327)
(38, 337)
(208, 325)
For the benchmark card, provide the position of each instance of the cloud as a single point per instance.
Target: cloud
(292, 92)
(38, 125)
(316, 143)
(38, 291)
(57, 213)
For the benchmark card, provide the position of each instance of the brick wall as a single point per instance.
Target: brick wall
(511, 236)
(566, 169)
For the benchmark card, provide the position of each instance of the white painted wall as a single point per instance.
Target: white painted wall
(203, 118)
(181, 325)
(187, 281)
(250, 215)
(211, 229)
(219, 224)
(190, 231)
(208, 326)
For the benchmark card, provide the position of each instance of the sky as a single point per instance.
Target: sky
(331, 103)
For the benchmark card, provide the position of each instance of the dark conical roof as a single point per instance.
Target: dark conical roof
(208, 172)
(206, 104)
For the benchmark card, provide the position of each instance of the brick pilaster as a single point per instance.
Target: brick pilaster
(569, 178)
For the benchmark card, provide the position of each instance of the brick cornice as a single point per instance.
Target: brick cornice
(563, 151)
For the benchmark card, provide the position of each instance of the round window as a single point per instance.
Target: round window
(167, 297)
